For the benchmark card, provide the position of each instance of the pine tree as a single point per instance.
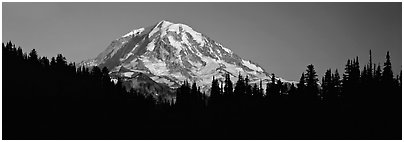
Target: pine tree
(248, 89)
(215, 89)
(370, 67)
(387, 75)
(239, 89)
(33, 56)
(279, 87)
(356, 72)
(327, 85)
(302, 84)
(53, 63)
(311, 80)
(228, 88)
(336, 83)
(272, 88)
(347, 78)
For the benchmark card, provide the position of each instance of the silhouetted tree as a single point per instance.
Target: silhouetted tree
(327, 85)
(387, 75)
(33, 56)
(302, 84)
(228, 88)
(312, 86)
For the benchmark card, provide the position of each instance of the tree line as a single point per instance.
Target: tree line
(52, 99)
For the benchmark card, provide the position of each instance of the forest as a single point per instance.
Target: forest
(53, 99)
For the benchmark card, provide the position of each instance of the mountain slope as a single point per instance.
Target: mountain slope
(170, 53)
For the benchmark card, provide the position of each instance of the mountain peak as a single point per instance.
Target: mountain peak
(167, 25)
(166, 21)
(163, 24)
(170, 53)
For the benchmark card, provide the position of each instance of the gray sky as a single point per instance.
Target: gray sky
(282, 37)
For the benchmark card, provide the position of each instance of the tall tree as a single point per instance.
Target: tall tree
(336, 81)
(228, 88)
(311, 80)
(248, 89)
(387, 75)
(215, 91)
(279, 87)
(272, 88)
(327, 85)
(239, 89)
(302, 83)
(370, 67)
(33, 56)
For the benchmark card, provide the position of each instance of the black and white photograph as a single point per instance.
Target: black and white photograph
(227, 70)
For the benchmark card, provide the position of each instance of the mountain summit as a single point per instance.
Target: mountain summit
(170, 53)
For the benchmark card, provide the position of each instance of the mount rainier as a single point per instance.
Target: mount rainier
(159, 58)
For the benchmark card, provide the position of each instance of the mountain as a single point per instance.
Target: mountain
(167, 53)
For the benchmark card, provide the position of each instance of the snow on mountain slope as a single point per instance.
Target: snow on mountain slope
(170, 53)
(134, 32)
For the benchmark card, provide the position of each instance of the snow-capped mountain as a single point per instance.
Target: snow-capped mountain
(169, 53)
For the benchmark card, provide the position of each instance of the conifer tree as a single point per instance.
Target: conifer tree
(336, 83)
(239, 89)
(387, 75)
(215, 89)
(311, 80)
(327, 85)
(53, 63)
(33, 56)
(370, 67)
(248, 89)
(272, 88)
(279, 87)
(302, 83)
(228, 88)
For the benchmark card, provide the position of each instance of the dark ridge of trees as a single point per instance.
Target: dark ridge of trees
(52, 99)
(45, 99)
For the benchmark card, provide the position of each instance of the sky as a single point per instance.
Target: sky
(283, 38)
